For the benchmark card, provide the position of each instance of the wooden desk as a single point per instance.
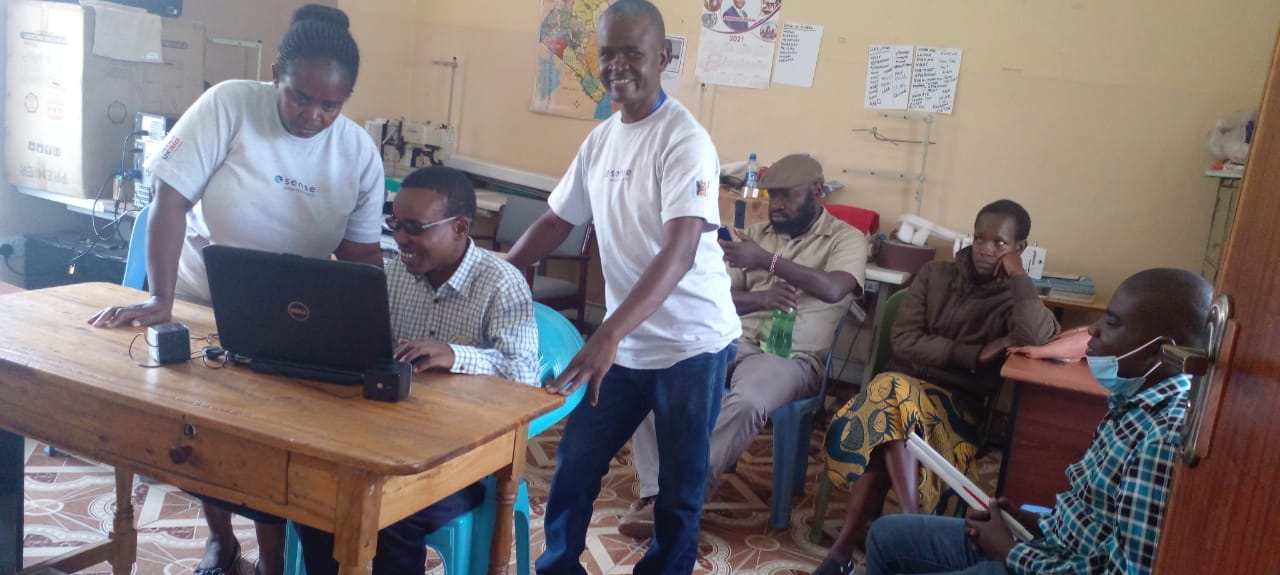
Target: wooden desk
(316, 453)
(1083, 313)
(1057, 305)
(1056, 409)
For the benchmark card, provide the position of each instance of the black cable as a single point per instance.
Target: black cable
(135, 360)
(213, 357)
(114, 225)
(125, 142)
(109, 227)
(71, 264)
(209, 352)
(848, 353)
(97, 197)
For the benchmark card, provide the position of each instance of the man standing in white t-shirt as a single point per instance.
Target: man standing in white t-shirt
(647, 177)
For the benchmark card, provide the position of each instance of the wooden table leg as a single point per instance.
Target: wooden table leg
(11, 502)
(123, 532)
(355, 534)
(508, 487)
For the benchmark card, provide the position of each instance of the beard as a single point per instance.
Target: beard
(804, 218)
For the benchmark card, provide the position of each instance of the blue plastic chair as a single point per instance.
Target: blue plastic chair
(792, 425)
(135, 264)
(465, 542)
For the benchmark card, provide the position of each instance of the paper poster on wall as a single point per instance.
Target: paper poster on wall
(567, 82)
(797, 54)
(671, 74)
(888, 76)
(933, 84)
(735, 47)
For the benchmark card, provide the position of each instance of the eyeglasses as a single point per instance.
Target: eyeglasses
(413, 228)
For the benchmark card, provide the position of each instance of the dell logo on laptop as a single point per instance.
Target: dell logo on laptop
(299, 311)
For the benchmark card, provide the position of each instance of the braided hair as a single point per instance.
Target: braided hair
(318, 31)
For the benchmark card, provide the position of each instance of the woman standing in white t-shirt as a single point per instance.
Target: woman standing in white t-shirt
(269, 166)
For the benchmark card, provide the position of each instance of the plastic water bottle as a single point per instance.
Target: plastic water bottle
(777, 339)
(753, 177)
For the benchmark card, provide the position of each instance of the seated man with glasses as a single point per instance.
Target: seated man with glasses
(454, 307)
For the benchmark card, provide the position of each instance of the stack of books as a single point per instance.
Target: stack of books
(1066, 287)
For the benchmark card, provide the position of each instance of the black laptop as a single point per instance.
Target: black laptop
(299, 317)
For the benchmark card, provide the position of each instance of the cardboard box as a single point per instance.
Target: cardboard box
(68, 110)
(753, 210)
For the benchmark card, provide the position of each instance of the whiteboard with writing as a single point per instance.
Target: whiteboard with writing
(797, 54)
(888, 76)
(933, 84)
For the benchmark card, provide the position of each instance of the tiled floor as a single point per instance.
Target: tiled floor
(69, 502)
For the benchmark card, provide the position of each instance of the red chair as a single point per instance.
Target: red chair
(863, 219)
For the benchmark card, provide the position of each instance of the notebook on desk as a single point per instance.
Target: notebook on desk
(299, 317)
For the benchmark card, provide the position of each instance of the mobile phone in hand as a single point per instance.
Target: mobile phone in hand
(725, 235)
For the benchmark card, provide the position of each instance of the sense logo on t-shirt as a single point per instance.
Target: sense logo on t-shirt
(294, 185)
(618, 175)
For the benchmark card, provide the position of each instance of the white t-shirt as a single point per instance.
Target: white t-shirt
(630, 179)
(255, 185)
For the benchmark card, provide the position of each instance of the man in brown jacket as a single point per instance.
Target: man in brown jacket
(948, 339)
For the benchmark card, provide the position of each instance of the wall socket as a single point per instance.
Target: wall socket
(19, 244)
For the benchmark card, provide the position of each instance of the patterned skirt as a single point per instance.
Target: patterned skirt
(892, 405)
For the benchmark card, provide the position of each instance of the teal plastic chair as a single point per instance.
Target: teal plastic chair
(135, 263)
(465, 542)
(880, 351)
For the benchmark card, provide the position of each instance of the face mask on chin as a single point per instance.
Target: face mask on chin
(1106, 369)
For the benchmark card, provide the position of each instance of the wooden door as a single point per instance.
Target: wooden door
(1224, 513)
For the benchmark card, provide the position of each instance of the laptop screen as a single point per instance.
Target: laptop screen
(307, 312)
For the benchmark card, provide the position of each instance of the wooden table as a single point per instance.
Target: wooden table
(315, 453)
(1056, 409)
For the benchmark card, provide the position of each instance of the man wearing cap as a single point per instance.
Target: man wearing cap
(803, 258)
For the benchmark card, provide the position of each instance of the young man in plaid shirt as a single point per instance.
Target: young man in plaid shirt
(454, 307)
(1108, 521)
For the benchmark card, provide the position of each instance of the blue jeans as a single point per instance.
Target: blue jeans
(685, 401)
(925, 544)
